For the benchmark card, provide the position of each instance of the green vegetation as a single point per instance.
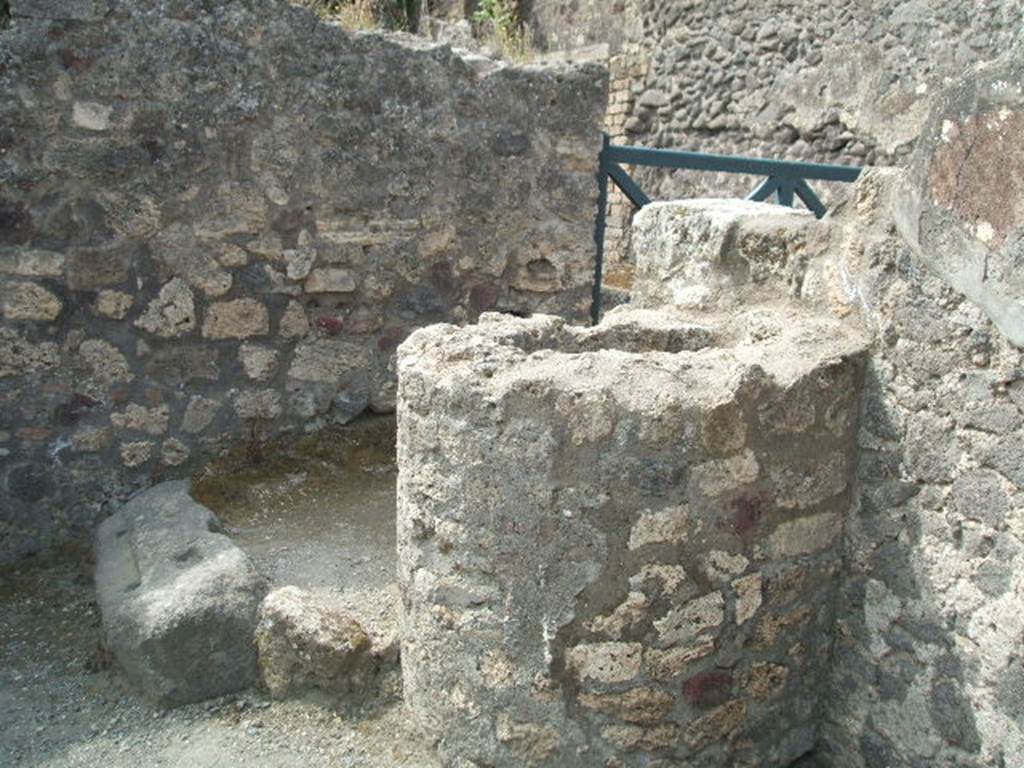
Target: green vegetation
(355, 15)
(501, 21)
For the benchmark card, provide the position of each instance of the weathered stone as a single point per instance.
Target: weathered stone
(90, 269)
(533, 742)
(31, 263)
(667, 526)
(76, 10)
(91, 439)
(136, 453)
(173, 452)
(261, 404)
(632, 611)
(113, 304)
(748, 597)
(605, 662)
(720, 565)
(303, 645)
(199, 414)
(721, 476)
(685, 624)
(980, 495)
(171, 313)
(138, 418)
(491, 420)
(667, 577)
(30, 301)
(293, 322)
(805, 535)
(238, 319)
(330, 280)
(178, 601)
(633, 737)
(183, 365)
(231, 255)
(766, 679)
(326, 360)
(104, 363)
(139, 207)
(234, 209)
(259, 362)
(705, 253)
(299, 263)
(637, 705)
(674, 662)
(91, 116)
(717, 724)
(951, 712)
(19, 356)
(950, 213)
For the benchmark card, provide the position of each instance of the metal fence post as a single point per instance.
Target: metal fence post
(599, 226)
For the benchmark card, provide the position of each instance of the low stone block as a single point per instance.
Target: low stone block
(178, 599)
(304, 645)
(703, 253)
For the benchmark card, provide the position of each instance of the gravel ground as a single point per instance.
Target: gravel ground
(61, 703)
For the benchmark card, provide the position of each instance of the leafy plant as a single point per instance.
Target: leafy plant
(507, 31)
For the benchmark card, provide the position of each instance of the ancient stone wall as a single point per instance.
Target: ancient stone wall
(928, 667)
(218, 222)
(565, 25)
(845, 82)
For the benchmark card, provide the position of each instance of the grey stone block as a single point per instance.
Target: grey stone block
(179, 600)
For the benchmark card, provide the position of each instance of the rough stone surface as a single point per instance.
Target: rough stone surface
(29, 301)
(560, 492)
(304, 645)
(847, 81)
(238, 319)
(704, 254)
(957, 220)
(178, 600)
(931, 616)
(179, 184)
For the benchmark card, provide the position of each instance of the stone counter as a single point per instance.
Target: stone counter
(620, 543)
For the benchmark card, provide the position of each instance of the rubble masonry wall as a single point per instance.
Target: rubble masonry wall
(219, 222)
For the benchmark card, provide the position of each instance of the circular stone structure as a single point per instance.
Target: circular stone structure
(618, 545)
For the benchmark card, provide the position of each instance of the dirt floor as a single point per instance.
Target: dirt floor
(318, 514)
